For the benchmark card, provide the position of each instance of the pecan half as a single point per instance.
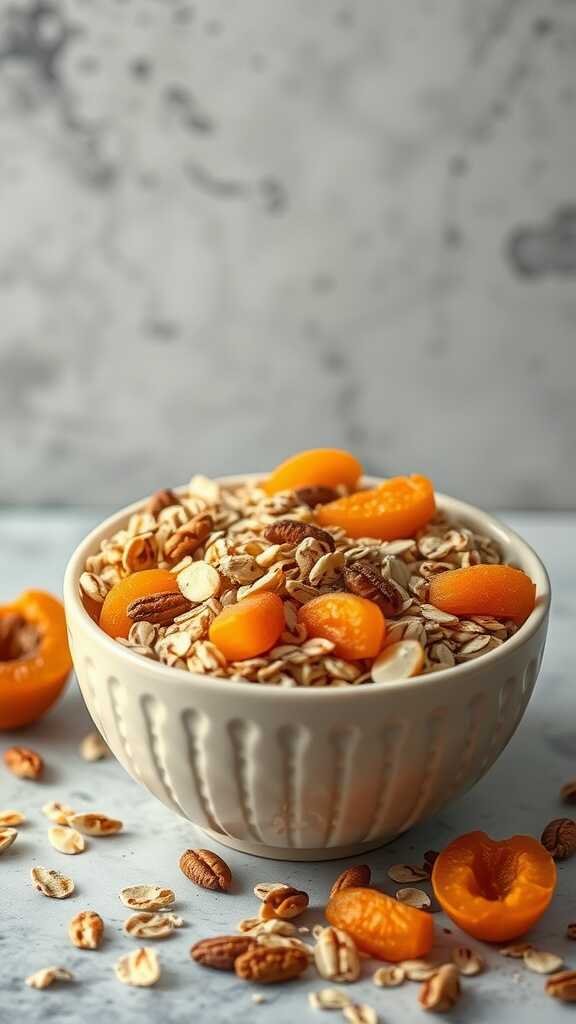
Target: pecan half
(269, 964)
(559, 838)
(206, 869)
(313, 496)
(357, 875)
(222, 951)
(292, 531)
(365, 581)
(159, 500)
(562, 986)
(23, 762)
(284, 902)
(188, 538)
(158, 608)
(442, 991)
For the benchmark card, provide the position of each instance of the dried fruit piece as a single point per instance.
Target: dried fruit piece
(285, 903)
(66, 840)
(497, 590)
(47, 976)
(11, 819)
(188, 538)
(199, 582)
(222, 951)
(147, 897)
(206, 869)
(7, 837)
(389, 977)
(336, 956)
(541, 962)
(442, 991)
(356, 876)
(407, 873)
(495, 891)
(248, 628)
(114, 617)
(95, 824)
(152, 926)
(86, 929)
(398, 508)
(328, 999)
(140, 968)
(24, 763)
(93, 748)
(400, 660)
(380, 925)
(354, 625)
(52, 883)
(416, 898)
(315, 467)
(364, 580)
(562, 986)
(57, 812)
(268, 965)
(559, 838)
(313, 496)
(292, 531)
(467, 961)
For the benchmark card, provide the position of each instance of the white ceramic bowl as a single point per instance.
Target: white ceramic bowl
(307, 774)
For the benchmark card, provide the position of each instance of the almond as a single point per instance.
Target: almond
(206, 869)
(222, 951)
(24, 763)
(358, 875)
(94, 824)
(270, 964)
(66, 840)
(86, 930)
(559, 838)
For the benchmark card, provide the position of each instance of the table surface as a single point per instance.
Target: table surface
(520, 794)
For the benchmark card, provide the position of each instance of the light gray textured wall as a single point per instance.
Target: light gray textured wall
(232, 229)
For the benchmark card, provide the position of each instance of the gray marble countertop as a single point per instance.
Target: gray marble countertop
(520, 794)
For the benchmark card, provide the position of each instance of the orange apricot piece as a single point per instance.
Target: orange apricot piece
(317, 467)
(355, 625)
(114, 618)
(248, 628)
(381, 925)
(33, 675)
(497, 590)
(494, 890)
(399, 507)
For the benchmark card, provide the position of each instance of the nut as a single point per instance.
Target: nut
(562, 986)
(559, 838)
(442, 991)
(284, 902)
(571, 930)
(418, 970)
(389, 977)
(356, 875)
(313, 496)
(140, 968)
(86, 929)
(93, 747)
(269, 964)
(24, 763)
(188, 538)
(139, 553)
(147, 897)
(365, 581)
(47, 976)
(516, 950)
(11, 819)
(66, 840)
(7, 837)
(263, 889)
(360, 1013)
(328, 999)
(568, 792)
(199, 582)
(403, 873)
(95, 824)
(336, 955)
(206, 869)
(222, 951)
(542, 963)
(160, 500)
(52, 883)
(152, 926)
(292, 531)
(467, 961)
(160, 609)
(58, 813)
(416, 898)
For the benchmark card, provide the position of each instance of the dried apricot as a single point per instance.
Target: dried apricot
(355, 625)
(248, 628)
(381, 925)
(34, 657)
(317, 467)
(399, 507)
(114, 618)
(497, 590)
(494, 890)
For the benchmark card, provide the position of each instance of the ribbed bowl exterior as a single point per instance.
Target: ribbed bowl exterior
(303, 774)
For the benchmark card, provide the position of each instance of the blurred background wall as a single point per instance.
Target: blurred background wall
(232, 229)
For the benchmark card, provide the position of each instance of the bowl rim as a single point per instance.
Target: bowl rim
(217, 685)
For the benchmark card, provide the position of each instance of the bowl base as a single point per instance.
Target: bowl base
(293, 853)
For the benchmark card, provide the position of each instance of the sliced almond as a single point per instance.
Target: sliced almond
(95, 824)
(66, 840)
(467, 961)
(93, 747)
(52, 883)
(7, 837)
(147, 897)
(416, 898)
(152, 926)
(328, 999)
(389, 977)
(418, 970)
(57, 812)
(407, 873)
(140, 968)
(541, 962)
(47, 976)
(399, 660)
(199, 582)
(11, 819)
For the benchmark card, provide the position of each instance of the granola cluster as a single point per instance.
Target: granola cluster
(223, 543)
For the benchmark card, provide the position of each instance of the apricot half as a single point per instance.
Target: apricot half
(317, 467)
